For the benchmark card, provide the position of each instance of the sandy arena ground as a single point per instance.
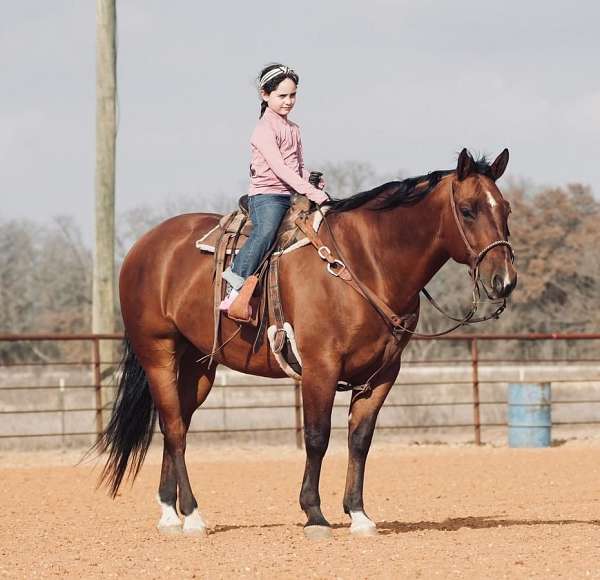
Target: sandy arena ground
(447, 512)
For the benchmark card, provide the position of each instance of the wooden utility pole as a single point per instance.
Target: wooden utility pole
(103, 310)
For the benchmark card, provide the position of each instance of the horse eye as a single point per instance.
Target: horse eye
(467, 213)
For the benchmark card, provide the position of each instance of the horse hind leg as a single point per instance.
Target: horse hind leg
(174, 428)
(167, 496)
(194, 382)
(159, 358)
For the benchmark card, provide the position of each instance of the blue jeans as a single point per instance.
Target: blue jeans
(266, 212)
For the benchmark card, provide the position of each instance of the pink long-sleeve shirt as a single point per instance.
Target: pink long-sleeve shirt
(277, 165)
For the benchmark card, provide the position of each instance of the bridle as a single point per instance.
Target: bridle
(476, 257)
(475, 261)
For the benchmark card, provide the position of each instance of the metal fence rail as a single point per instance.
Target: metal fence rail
(476, 345)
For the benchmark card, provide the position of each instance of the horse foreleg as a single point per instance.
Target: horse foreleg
(317, 396)
(361, 425)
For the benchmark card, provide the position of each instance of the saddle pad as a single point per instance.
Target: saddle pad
(207, 243)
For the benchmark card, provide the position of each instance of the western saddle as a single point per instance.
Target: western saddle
(260, 291)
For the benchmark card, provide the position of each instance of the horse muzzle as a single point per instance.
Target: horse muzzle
(496, 272)
(502, 284)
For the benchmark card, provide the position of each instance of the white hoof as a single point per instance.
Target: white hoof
(317, 532)
(169, 530)
(363, 531)
(194, 525)
(169, 522)
(362, 525)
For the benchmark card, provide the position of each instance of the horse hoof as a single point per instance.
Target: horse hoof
(361, 524)
(194, 525)
(170, 530)
(363, 531)
(196, 531)
(317, 532)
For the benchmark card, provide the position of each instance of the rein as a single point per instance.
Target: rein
(399, 325)
(339, 267)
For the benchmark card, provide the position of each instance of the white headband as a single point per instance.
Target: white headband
(274, 73)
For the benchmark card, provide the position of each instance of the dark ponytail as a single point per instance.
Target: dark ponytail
(263, 107)
(274, 82)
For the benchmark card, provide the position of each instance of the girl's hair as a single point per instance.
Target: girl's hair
(273, 83)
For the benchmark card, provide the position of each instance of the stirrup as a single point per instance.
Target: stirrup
(240, 310)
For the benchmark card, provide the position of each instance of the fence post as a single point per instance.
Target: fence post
(476, 414)
(298, 412)
(97, 385)
(63, 409)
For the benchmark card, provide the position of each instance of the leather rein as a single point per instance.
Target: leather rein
(339, 267)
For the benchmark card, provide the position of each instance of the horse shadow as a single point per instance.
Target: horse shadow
(448, 525)
(472, 523)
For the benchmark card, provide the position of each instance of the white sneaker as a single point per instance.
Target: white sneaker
(228, 300)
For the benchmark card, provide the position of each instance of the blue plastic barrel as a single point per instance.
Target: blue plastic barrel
(529, 415)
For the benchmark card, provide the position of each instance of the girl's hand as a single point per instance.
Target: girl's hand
(319, 198)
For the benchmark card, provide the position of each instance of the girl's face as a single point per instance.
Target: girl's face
(282, 99)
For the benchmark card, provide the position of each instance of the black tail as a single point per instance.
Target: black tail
(131, 426)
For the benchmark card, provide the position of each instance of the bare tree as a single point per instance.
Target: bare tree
(45, 284)
(348, 177)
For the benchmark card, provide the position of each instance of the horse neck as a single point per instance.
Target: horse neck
(394, 252)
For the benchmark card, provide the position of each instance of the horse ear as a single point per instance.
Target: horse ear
(499, 165)
(465, 165)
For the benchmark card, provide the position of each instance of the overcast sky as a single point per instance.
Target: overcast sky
(403, 85)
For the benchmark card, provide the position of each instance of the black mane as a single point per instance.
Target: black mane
(402, 193)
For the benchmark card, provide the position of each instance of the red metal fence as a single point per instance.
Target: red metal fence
(476, 347)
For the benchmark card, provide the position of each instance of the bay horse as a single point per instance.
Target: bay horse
(394, 237)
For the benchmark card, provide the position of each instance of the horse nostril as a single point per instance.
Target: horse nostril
(503, 286)
(498, 285)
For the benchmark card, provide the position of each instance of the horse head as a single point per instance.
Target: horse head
(477, 224)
